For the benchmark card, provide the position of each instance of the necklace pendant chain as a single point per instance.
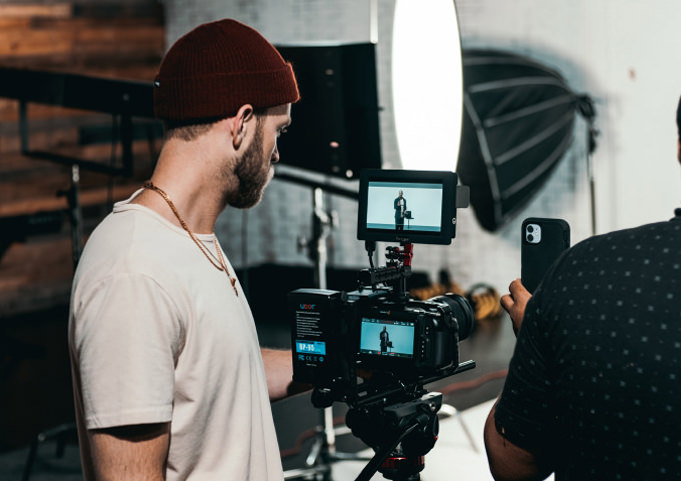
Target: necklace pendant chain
(221, 265)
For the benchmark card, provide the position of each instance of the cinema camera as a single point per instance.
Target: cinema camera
(375, 348)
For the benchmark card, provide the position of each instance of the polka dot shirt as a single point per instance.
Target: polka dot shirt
(593, 385)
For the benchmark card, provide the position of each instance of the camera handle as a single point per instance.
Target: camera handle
(395, 272)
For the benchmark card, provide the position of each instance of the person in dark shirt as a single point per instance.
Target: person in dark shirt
(400, 205)
(385, 339)
(593, 390)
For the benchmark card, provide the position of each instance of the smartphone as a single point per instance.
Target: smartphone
(543, 241)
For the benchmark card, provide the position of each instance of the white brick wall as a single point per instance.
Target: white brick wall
(612, 49)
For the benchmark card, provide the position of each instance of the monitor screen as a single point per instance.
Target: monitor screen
(386, 337)
(404, 206)
(407, 206)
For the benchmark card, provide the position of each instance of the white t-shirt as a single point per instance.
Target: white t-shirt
(157, 334)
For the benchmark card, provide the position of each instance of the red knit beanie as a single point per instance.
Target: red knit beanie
(218, 67)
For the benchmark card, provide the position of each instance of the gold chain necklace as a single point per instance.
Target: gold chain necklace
(221, 265)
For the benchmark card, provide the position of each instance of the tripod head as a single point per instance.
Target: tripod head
(400, 423)
(400, 434)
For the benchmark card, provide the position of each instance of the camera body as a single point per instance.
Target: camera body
(336, 334)
(375, 348)
(377, 328)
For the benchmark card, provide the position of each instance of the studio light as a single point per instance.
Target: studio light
(427, 84)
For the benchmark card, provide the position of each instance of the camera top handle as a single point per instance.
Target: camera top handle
(396, 271)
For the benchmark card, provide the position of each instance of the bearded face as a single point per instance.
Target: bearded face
(253, 172)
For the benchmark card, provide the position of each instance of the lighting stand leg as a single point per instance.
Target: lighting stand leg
(592, 192)
(75, 215)
(586, 108)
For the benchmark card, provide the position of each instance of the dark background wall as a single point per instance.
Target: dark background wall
(114, 39)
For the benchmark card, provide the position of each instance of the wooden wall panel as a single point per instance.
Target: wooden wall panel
(117, 39)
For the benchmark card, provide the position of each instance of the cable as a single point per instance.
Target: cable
(370, 247)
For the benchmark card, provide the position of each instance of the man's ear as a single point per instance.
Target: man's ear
(240, 122)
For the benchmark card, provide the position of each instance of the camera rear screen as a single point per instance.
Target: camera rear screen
(404, 206)
(386, 337)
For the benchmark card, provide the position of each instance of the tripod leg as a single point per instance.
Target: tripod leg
(449, 410)
(315, 451)
(468, 433)
(30, 460)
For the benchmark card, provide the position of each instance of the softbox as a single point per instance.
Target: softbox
(518, 122)
(335, 127)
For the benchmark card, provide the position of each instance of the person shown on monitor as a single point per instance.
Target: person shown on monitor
(400, 206)
(385, 339)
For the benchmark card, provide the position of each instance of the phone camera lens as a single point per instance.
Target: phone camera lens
(530, 229)
(530, 237)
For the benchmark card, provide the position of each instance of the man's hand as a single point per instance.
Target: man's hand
(515, 303)
(279, 372)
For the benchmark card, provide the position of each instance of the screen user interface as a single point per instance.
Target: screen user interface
(407, 206)
(387, 337)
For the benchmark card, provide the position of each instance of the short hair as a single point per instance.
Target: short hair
(192, 130)
(188, 131)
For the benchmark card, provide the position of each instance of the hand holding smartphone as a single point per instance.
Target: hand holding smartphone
(543, 241)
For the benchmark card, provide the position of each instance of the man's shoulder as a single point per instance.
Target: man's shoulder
(128, 242)
(641, 233)
(619, 248)
(118, 233)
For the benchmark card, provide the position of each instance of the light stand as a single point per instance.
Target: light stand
(318, 460)
(323, 451)
(585, 106)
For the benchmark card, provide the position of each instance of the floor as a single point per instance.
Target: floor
(33, 390)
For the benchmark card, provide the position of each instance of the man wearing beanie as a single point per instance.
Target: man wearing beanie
(169, 379)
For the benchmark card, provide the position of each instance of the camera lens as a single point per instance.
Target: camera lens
(530, 237)
(461, 311)
(530, 229)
